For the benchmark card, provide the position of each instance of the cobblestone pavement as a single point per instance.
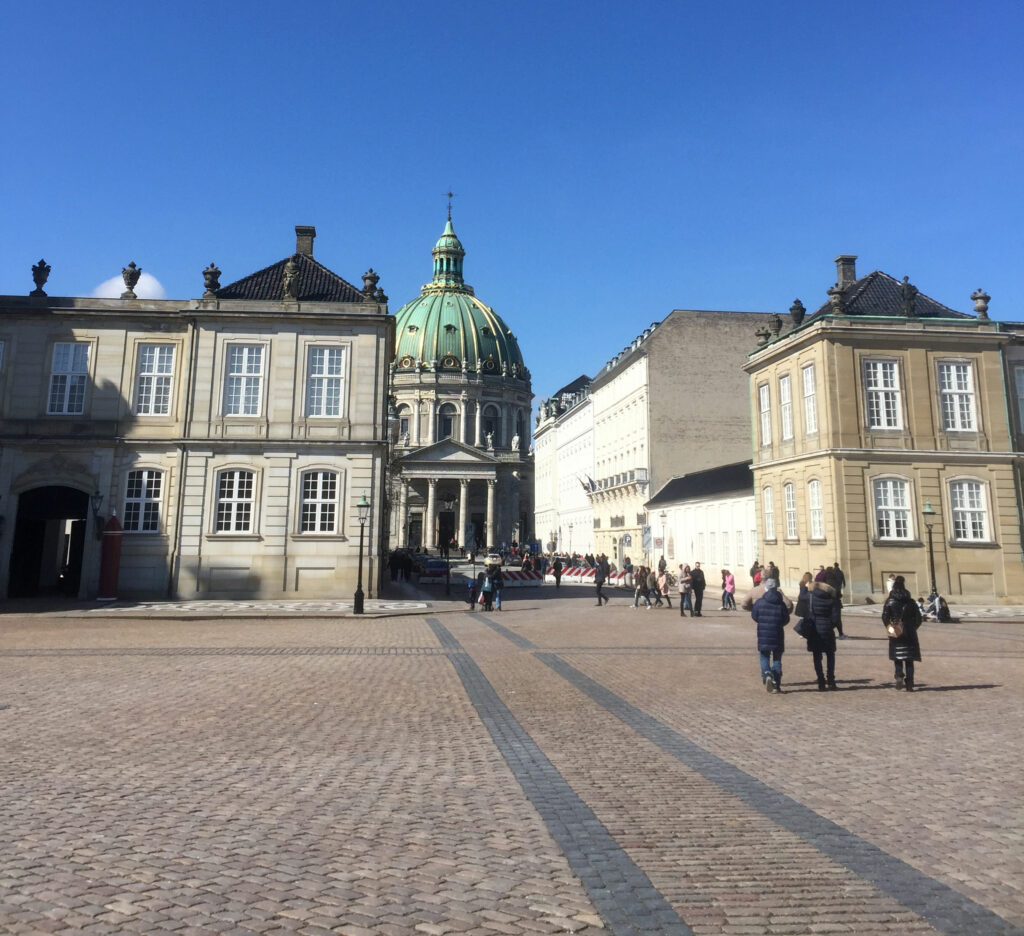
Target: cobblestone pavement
(552, 768)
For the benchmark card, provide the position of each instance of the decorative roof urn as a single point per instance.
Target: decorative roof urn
(797, 312)
(40, 274)
(980, 297)
(130, 274)
(211, 280)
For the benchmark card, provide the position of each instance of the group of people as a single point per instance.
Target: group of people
(818, 611)
(486, 588)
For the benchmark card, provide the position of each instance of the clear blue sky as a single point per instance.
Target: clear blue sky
(611, 161)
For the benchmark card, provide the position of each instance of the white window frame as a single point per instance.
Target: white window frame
(69, 377)
(786, 407)
(810, 400)
(768, 505)
(883, 398)
(143, 497)
(764, 404)
(244, 367)
(968, 507)
(235, 502)
(325, 381)
(789, 499)
(891, 500)
(319, 491)
(154, 379)
(815, 511)
(956, 396)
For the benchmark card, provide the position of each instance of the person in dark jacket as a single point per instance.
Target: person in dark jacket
(556, 571)
(697, 584)
(771, 616)
(904, 650)
(823, 612)
(835, 577)
(497, 583)
(601, 573)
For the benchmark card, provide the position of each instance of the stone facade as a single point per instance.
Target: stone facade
(881, 414)
(231, 436)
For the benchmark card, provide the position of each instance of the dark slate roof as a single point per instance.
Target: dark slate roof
(571, 389)
(711, 482)
(879, 294)
(316, 284)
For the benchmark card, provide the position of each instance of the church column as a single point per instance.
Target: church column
(416, 422)
(463, 511)
(478, 440)
(491, 484)
(403, 515)
(430, 520)
(432, 429)
(462, 419)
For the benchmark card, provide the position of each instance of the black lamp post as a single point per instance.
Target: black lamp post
(363, 510)
(96, 501)
(664, 544)
(449, 506)
(928, 513)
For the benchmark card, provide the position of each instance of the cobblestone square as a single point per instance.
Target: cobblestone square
(552, 768)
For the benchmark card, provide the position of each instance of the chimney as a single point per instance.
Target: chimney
(304, 234)
(846, 270)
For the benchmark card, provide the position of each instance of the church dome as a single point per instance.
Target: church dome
(447, 328)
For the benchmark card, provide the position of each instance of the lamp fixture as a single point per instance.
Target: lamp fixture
(96, 501)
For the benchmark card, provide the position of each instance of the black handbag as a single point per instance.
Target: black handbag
(805, 628)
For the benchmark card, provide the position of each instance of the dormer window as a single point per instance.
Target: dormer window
(449, 328)
(485, 331)
(413, 329)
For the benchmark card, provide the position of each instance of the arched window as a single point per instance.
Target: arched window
(446, 421)
(404, 424)
(492, 424)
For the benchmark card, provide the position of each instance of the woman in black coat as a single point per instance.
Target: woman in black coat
(904, 650)
(823, 612)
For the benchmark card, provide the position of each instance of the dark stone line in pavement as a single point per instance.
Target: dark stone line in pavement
(944, 908)
(621, 892)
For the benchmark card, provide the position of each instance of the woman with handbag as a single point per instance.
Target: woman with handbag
(684, 585)
(901, 616)
(823, 613)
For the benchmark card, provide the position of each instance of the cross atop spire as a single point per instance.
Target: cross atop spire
(450, 194)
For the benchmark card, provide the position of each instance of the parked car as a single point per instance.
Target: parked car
(494, 559)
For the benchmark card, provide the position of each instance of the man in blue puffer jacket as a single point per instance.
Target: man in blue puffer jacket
(771, 615)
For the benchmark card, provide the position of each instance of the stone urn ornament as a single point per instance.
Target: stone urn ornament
(797, 312)
(40, 274)
(980, 297)
(130, 274)
(211, 280)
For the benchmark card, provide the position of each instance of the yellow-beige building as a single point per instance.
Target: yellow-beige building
(885, 439)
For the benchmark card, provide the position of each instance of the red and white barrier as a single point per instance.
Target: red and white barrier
(586, 577)
(517, 578)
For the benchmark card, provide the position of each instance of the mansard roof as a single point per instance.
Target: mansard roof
(316, 284)
(880, 294)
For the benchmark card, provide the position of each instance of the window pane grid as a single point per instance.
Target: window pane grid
(142, 501)
(789, 493)
(244, 382)
(882, 383)
(892, 510)
(234, 501)
(153, 389)
(323, 381)
(956, 391)
(769, 514)
(970, 521)
(766, 416)
(810, 400)
(319, 502)
(817, 514)
(786, 408)
(67, 378)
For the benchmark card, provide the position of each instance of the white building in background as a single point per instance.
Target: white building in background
(708, 517)
(564, 470)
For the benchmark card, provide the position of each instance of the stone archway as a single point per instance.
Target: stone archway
(49, 541)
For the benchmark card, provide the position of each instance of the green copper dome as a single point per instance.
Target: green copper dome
(448, 328)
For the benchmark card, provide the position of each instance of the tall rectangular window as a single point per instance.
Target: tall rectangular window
(789, 493)
(319, 502)
(324, 376)
(769, 514)
(142, 501)
(882, 385)
(739, 548)
(970, 516)
(153, 383)
(816, 514)
(810, 400)
(243, 383)
(892, 508)
(956, 397)
(1018, 375)
(68, 376)
(234, 501)
(786, 407)
(764, 407)
(713, 547)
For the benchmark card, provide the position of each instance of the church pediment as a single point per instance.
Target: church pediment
(447, 452)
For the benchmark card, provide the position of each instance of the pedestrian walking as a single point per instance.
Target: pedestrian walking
(728, 591)
(771, 616)
(698, 584)
(664, 583)
(834, 576)
(640, 591)
(685, 588)
(497, 584)
(822, 610)
(601, 572)
(901, 616)
(653, 591)
(487, 590)
(556, 571)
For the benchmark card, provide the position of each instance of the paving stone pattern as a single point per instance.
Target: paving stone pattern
(544, 770)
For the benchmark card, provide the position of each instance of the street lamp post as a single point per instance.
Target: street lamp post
(929, 515)
(449, 506)
(570, 542)
(663, 517)
(363, 511)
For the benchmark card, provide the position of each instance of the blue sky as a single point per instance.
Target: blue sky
(611, 161)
